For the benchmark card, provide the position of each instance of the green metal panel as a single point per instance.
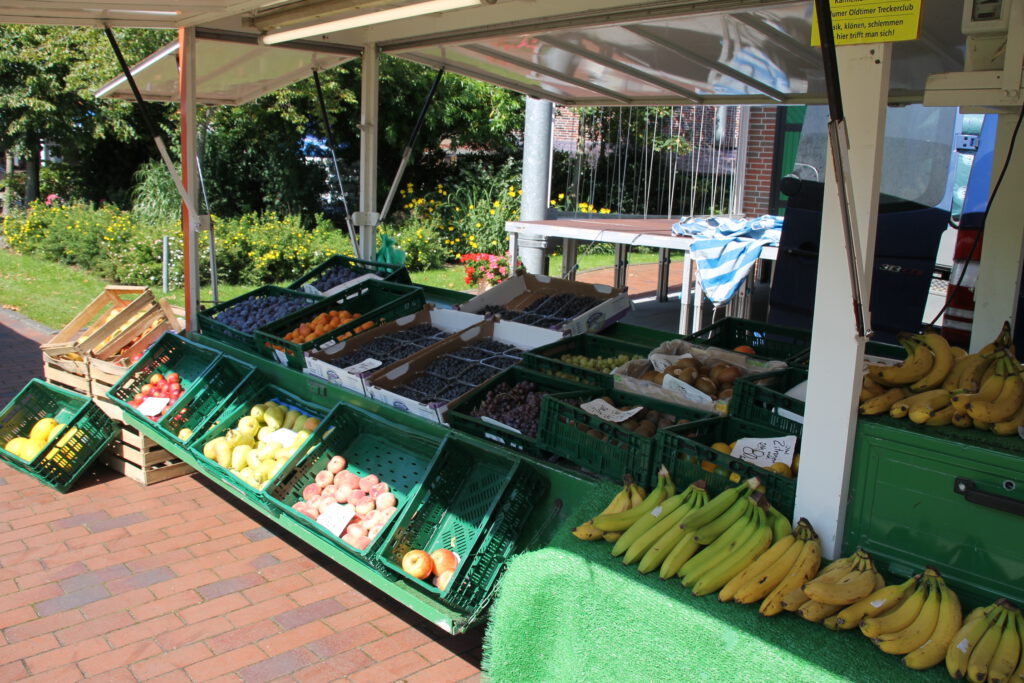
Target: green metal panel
(905, 511)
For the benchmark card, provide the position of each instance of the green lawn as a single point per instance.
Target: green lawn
(52, 294)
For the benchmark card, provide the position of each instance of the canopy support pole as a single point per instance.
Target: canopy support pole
(837, 350)
(366, 217)
(190, 220)
(1002, 253)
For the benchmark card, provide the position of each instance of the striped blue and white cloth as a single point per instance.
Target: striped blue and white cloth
(725, 249)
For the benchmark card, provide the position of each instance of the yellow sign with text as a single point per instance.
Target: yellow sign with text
(855, 22)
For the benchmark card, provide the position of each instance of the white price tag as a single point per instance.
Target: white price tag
(153, 405)
(280, 357)
(490, 420)
(694, 394)
(368, 364)
(605, 411)
(336, 517)
(660, 361)
(766, 451)
(282, 436)
(349, 284)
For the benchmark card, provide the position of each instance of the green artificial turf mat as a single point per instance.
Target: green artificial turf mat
(572, 612)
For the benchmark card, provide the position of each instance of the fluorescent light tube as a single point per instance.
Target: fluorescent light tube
(368, 19)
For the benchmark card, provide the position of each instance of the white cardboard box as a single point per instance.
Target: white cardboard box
(520, 291)
(382, 382)
(318, 365)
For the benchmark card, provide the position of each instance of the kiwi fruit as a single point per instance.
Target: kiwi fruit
(647, 429)
(631, 424)
(707, 385)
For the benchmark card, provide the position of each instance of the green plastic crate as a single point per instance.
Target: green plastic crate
(386, 271)
(774, 342)
(477, 585)
(210, 326)
(686, 452)
(452, 507)
(759, 397)
(93, 432)
(871, 348)
(264, 392)
(195, 410)
(545, 358)
(375, 301)
(971, 437)
(170, 353)
(919, 497)
(370, 445)
(460, 411)
(564, 431)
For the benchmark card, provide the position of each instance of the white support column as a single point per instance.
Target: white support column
(366, 218)
(836, 354)
(1002, 251)
(189, 171)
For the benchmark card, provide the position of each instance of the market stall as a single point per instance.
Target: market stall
(829, 431)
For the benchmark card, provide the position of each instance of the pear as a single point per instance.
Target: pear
(248, 425)
(237, 438)
(210, 447)
(292, 418)
(222, 452)
(263, 435)
(252, 458)
(257, 411)
(267, 469)
(284, 454)
(271, 452)
(274, 417)
(310, 424)
(238, 456)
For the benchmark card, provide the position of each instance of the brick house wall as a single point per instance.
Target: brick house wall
(757, 179)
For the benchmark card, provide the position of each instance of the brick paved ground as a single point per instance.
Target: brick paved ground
(114, 581)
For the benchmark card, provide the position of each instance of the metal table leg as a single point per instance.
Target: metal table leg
(569, 247)
(664, 263)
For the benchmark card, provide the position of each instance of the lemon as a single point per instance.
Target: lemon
(781, 468)
(41, 429)
(722, 447)
(16, 447)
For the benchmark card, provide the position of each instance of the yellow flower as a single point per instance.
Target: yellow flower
(552, 202)
(561, 196)
(492, 212)
(497, 203)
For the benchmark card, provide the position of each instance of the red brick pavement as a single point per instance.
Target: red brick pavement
(174, 582)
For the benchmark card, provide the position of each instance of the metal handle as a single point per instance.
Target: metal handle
(970, 492)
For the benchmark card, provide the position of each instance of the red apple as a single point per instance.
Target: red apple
(444, 560)
(156, 378)
(349, 478)
(173, 377)
(362, 542)
(417, 564)
(310, 491)
(444, 578)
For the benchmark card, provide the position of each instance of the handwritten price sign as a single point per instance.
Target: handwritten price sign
(766, 451)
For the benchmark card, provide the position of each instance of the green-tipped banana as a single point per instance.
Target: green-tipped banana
(648, 521)
(706, 534)
(640, 545)
(719, 550)
(719, 504)
(681, 552)
(755, 543)
(780, 524)
(623, 520)
(658, 553)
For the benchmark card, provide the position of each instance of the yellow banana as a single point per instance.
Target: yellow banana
(805, 567)
(668, 521)
(872, 387)
(961, 420)
(1003, 406)
(880, 601)
(917, 632)
(944, 360)
(763, 561)
(611, 536)
(958, 352)
(844, 589)
(883, 402)
(917, 364)
(981, 657)
(989, 390)
(866, 393)
(619, 503)
(975, 626)
(794, 599)
(1018, 675)
(939, 418)
(974, 369)
(952, 381)
(930, 400)
(817, 611)
(1009, 426)
(620, 521)
(1007, 655)
(587, 532)
(899, 617)
(768, 573)
(950, 619)
(636, 495)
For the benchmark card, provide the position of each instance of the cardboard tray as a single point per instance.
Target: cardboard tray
(318, 363)
(520, 291)
(383, 382)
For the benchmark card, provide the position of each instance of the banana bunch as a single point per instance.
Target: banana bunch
(838, 585)
(645, 533)
(733, 549)
(787, 565)
(631, 496)
(938, 384)
(921, 625)
(699, 527)
(881, 600)
(612, 524)
(989, 645)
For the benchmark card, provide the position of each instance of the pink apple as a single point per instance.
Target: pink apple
(386, 500)
(368, 482)
(310, 491)
(336, 464)
(323, 478)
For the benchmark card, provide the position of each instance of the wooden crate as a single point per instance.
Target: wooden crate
(106, 314)
(73, 375)
(140, 458)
